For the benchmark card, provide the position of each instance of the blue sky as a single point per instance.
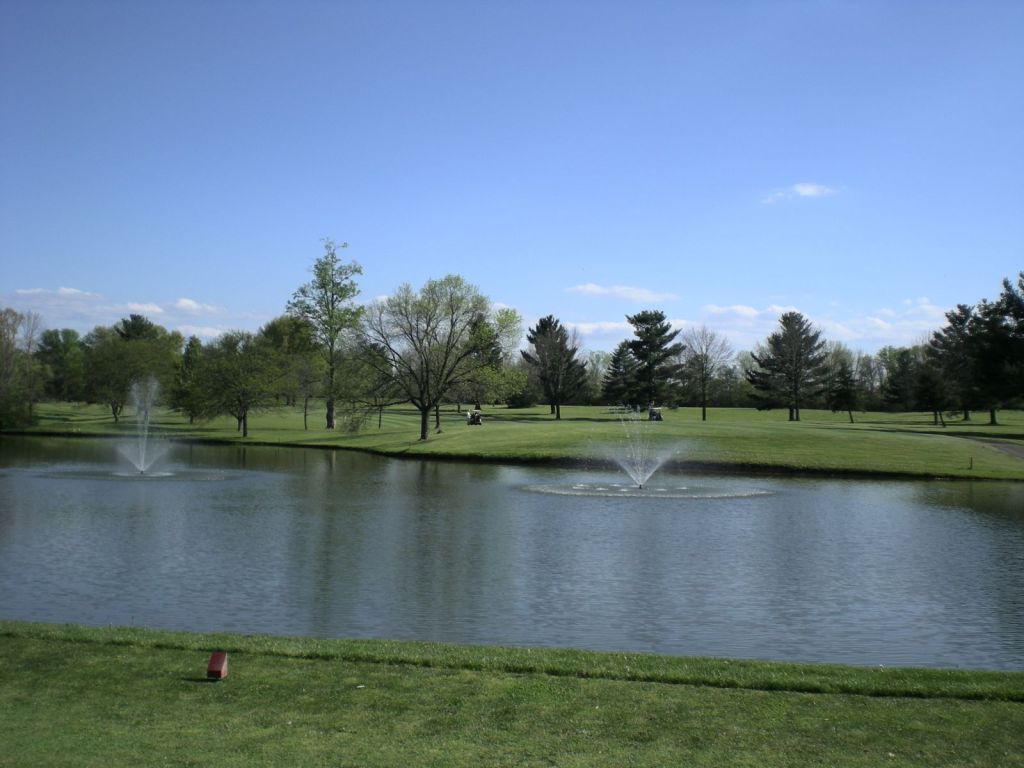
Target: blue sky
(861, 162)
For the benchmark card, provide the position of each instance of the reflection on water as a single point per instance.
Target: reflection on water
(311, 542)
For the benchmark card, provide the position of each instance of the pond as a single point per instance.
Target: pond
(335, 544)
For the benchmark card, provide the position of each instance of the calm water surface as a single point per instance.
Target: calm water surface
(308, 542)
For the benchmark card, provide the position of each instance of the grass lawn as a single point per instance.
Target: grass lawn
(130, 697)
(878, 443)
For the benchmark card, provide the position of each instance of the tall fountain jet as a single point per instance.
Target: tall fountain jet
(639, 456)
(143, 396)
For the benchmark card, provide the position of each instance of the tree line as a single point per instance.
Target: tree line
(447, 343)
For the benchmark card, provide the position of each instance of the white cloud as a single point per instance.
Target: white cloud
(84, 310)
(740, 310)
(192, 306)
(812, 190)
(780, 309)
(801, 189)
(75, 293)
(628, 292)
(65, 293)
(603, 327)
(151, 308)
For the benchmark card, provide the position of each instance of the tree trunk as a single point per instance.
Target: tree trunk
(245, 425)
(424, 421)
(437, 417)
(703, 412)
(792, 413)
(992, 417)
(850, 413)
(552, 406)
(330, 412)
(558, 411)
(967, 413)
(380, 416)
(305, 412)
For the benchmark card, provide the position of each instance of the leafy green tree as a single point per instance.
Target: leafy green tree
(843, 394)
(291, 340)
(788, 364)
(131, 350)
(22, 376)
(1012, 302)
(597, 361)
(619, 384)
(869, 374)
(430, 341)
(187, 393)
(997, 348)
(238, 376)
(61, 352)
(657, 375)
(374, 387)
(902, 369)
(951, 350)
(705, 357)
(553, 355)
(326, 304)
(108, 374)
(932, 390)
(522, 390)
(493, 377)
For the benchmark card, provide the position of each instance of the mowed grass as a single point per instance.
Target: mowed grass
(878, 443)
(132, 697)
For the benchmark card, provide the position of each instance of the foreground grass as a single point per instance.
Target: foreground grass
(897, 444)
(111, 697)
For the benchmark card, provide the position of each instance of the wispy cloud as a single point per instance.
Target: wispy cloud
(602, 327)
(74, 292)
(67, 293)
(744, 314)
(628, 292)
(192, 306)
(84, 310)
(144, 308)
(799, 190)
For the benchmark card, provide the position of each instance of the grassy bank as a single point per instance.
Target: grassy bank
(78, 696)
(878, 443)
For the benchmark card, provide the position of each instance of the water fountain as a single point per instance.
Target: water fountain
(142, 396)
(637, 453)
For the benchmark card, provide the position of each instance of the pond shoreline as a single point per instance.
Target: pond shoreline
(710, 467)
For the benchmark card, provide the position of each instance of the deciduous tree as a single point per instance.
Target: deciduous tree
(429, 341)
(239, 376)
(326, 303)
(705, 355)
(61, 352)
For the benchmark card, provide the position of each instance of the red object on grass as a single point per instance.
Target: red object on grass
(218, 666)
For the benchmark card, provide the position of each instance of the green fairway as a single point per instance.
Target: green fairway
(878, 443)
(113, 697)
